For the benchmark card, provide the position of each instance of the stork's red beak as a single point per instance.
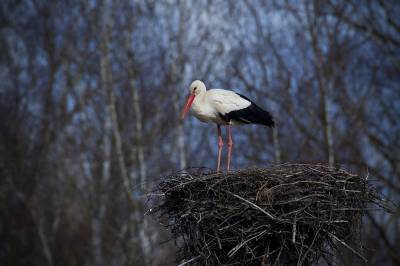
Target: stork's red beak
(189, 102)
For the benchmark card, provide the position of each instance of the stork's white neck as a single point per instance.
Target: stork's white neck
(200, 98)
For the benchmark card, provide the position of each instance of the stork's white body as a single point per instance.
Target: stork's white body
(209, 106)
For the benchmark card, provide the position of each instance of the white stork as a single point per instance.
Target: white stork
(224, 107)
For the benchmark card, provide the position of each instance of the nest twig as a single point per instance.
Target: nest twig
(286, 214)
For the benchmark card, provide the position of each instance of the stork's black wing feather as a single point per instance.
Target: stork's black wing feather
(252, 114)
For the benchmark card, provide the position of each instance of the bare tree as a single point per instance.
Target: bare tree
(90, 95)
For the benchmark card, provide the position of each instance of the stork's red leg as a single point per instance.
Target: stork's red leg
(220, 144)
(230, 144)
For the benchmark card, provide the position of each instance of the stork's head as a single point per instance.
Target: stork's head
(195, 89)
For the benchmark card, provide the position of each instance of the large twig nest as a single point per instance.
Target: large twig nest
(289, 214)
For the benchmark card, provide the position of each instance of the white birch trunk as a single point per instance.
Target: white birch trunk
(180, 137)
(181, 147)
(139, 138)
(323, 83)
(277, 146)
(100, 211)
(328, 130)
(132, 224)
(177, 71)
(45, 242)
(107, 87)
(97, 241)
(139, 143)
(142, 227)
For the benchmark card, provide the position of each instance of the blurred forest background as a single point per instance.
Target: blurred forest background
(90, 95)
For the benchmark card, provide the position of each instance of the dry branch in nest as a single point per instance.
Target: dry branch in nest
(285, 214)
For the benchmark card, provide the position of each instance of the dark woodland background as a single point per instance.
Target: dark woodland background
(90, 95)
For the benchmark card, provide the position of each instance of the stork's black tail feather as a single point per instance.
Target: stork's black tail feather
(253, 114)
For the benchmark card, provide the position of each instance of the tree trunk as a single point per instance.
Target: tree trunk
(277, 146)
(138, 114)
(139, 143)
(106, 73)
(323, 84)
